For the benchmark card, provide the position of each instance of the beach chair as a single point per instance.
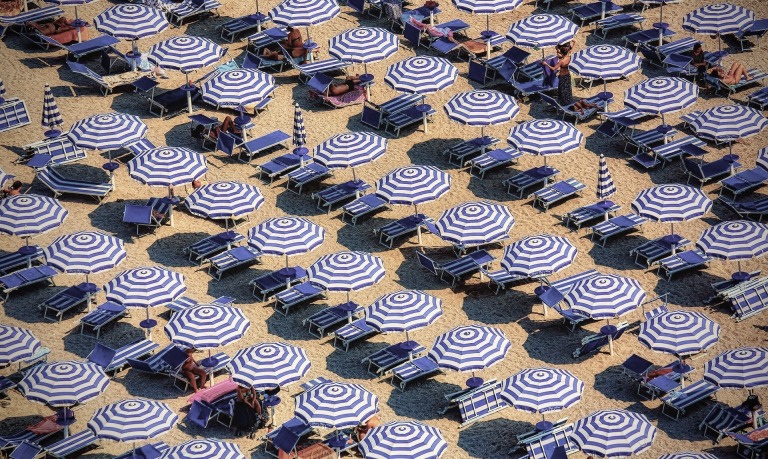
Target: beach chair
(412, 370)
(556, 445)
(637, 141)
(755, 32)
(680, 400)
(302, 293)
(41, 14)
(666, 153)
(500, 279)
(754, 210)
(33, 434)
(26, 277)
(404, 118)
(184, 302)
(749, 301)
(106, 85)
(306, 175)
(352, 332)
(114, 360)
(78, 50)
(172, 102)
(758, 98)
(341, 192)
(649, 252)
(232, 258)
(753, 445)
(266, 37)
(77, 443)
(66, 300)
(270, 284)
(13, 114)
(234, 27)
(494, 159)
(321, 321)
(455, 271)
(556, 192)
(361, 207)
(755, 76)
(704, 172)
(458, 154)
(722, 419)
(616, 226)
(647, 36)
(319, 87)
(154, 214)
(406, 226)
(279, 166)
(102, 316)
(524, 439)
(139, 147)
(150, 451)
(570, 110)
(391, 356)
(191, 8)
(309, 69)
(582, 215)
(60, 185)
(682, 261)
(262, 143)
(26, 257)
(618, 21)
(744, 181)
(203, 249)
(26, 450)
(590, 12)
(525, 89)
(287, 437)
(529, 178)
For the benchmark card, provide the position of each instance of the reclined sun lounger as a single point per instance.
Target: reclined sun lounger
(494, 159)
(752, 445)
(262, 143)
(619, 21)
(459, 153)
(391, 356)
(361, 207)
(26, 257)
(456, 271)
(638, 141)
(319, 90)
(682, 261)
(200, 251)
(102, 316)
(192, 8)
(33, 433)
(59, 185)
(150, 451)
(375, 115)
(154, 214)
(13, 114)
(648, 253)
(114, 360)
(33, 15)
(82, 49)
(754, 210)
(106, 84)
(553, 293)
(572, 112)
(408, 117)
(234, 27)
(301, 293)
(352, 332)
(755, 76)
(270, 284)
(666, 153)
(616, 226)
(309, 69)
(657, 54)
(722, 419)
(341, 192)
(322, 321)
(744, 181)
(203, 411)
(529, 178)
(582, 215)
(589, 12)
(758, 98)
(406, 226)
(556, 192)
(500, 278)
(232, 258)
(704, 172)
(166, 104)
(25, 278)
(286, 437)
(77, 443)
(310, 173)
(168, 362)
(682, 399)
(266, 37)
(412, 370)
(66, 300)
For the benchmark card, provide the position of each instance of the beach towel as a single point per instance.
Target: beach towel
(550, 78)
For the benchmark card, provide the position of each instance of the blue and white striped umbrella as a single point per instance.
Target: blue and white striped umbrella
(167, 166)
(540, 390)
(413, 185)
(605, 186)
(735, 240)
(726, 123)
(545, 137)
(30, 214)
(475, 223)
(718, 19)
(336, 405)
(238, 87)
(605, 296)
(145, 287)
(300, 13)
(347, 271)
(64, 383)
(742, 368)
(131, 22)
(481, 108)
(286, 236)
(688, 455)
(85, 252)
(614, 433)
(350, 149)
(486, 6)
(108, 131)
(268, 365)
(605, 62)
(132, 420)
(661, 95)
(16, 343)
(2, 90)
(540, 30)
(539, 255)
(679, 333)
(762, 160)
(672, 203)
(421, 75)
(224, 200)
(403, 440)
(364, 45)
(207, 326)
(205, 448)
(5, 177)
(51, 119)
(185, 53)
(299, 131)
(470, 348)
(403, 311)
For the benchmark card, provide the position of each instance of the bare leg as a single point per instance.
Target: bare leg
(190, 375)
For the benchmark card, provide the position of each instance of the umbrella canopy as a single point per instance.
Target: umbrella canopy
(605, 186)
(540, 30)
(605, 62)
(85, 252)
(403, 311)
(475, 223)
(413, 185)
(16, 343)
(470, 348)
(726, 123)
(605, 296)
(238, 87)
(736, 240)
(207, 326)
(762, 160)
(30, 214)
(350, 149)
(224, 200)
(299, 131)
(336, 405)
(481, 108)
(167, 166)
(204, 449)
(403, 440)
(364, 45)
(539, 390)
(132, 420)
(679, 333)
(131, 22)
(268, 365)
(486, 6)
(286, 236)
(185, 53)
(2, 90)
(538, 255)
(347, 271)
(614, 433)
(145, 287)
(5, 177)
(672, 203)
(719, 19)
(688, 455)
(421, 75)
(51, 119)
(64, 384)
(661, 95)
(300, 13)
(745, 367)
(545, 137)
(108, 131)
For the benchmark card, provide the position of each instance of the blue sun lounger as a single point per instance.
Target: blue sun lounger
(375, 115)
(682, 261)
(11, 441)
(410, 371)
(150, 451)
(60, 185)
(666, 153)
(455, 271)
(556, 445)
(232, 258)
(646, 36)
(494, 159)
(556, 192)
(529, 178)
(747, 447)
(5, 385)
(308, 69)
(267, 37)
(334, 194)
(554, 292)
(191, 8)
(262, 143)
(750, 301)
(279, 166)
(404, 118)
(114, 360)
(234, 27)
(301, 293)
(582, 215)
(25, 278)
(501, 279)
(755, 76)
(722, 419)
(619, 21)
(589, 12)
(321, 321)
(56, 151)
(391, 356)
(66, 300)
(286, 437)
(680, 400)
(270, 284)
(105, 87)
(17, 259)
(77, 443)
(458, 154)
(570, 110)
(406, 226)
(759, 98)
(615, 226)
(200, 251)
(744, 181)
(13, 114)
(103, 315)
(362, 207)
(310, 173)
(475, 404)
(754, 210)
(648, 253)
(703, 172)
(79, 50)
(33, 15)
(352, 332)
(526, 438)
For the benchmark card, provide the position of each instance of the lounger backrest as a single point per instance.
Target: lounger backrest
(357, 5)
(199, 414)
(226, 143)
(320, 82)
(371, 116)
(481, 403)
(427, 263)
(477, 71)
(285, 439)
(174, 358)
(13, 115)
(26, 451)
(412, 34)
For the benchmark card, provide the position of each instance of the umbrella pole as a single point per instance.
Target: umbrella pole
(188, 88)
(77, 25)
(258, 24)
(610, 339)
(672, 233)
(135, 52)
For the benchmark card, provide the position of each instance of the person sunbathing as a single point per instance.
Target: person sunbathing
(349, 84)
(192, 370)
(228, 125)
(734, 74)
(293, 43)
(362, 430)
(437, 32)
(13, 190)
(52, 28)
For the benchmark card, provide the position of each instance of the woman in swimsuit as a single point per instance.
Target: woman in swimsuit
(349, 83)
(564, 88)
(734, 74)
(52, 28)
(293, 43)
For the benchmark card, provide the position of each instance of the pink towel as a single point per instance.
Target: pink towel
(212, 393)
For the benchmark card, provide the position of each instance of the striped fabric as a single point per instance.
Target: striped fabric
(540, 390)
(538, 255)
(64, 384)
(745, 367)
(413, 185)
(145, 287)
(204, 449)
(688, 455)
(268, 365)
(762, 160)
(606, 62)
(545, 137)
(70, 2)
(350, 149)
(286, 236)
(336, 405)
(719, 18)
(481, 108)
(207, 326)
(347, 271)
(16, 343)
(364, 45)
(605, 296)
(109, 131)
(132, 420)
(221, 200)
(51, 118)
(487, 6)
(470, 348)
(614, 433)
(403, 440)
(605, 186)
(85, 252)
(403, 311)
(300, 13)
(737, 240)
(167, 166)
(239, 87)
(672, 203)
(299, 131)
(2, 89)
(5, 177)
(661, 95)
(131, 22)
(726, 123)
(30, 214)
(421, 75)
(475, 223)
(679, 333)
(185, 53)
(540, 30)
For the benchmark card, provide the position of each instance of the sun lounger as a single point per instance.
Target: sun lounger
(59, 185)
(320, 322)
(341, 192)
(259, 144)
(33, 15)
(570, 319)
(266, 37)
(78, 50)
(619, 21)
(25, 278)
(556, 192)
(155, 213)
(524, 439)
(266, 286)
(501, 279)
(77, 443)
(682, 261)
(66, 300)
(754, 210)
(102, 316)
(666, 153)
(458, 154)
(10, 261)
(589, 12)
(172, 102)
(647, 36)
(13, 114)
(638, 141)
(756, 31)
(33, 433)
(106, 85)
(352, 332)
(759, 98)
(582, 215)
(682, 399)
(657, 54)
(26, 450)
(203, 249)
(570, 110)
(150, 451)
(616, 226)
(704, 172)
(752, 445)
(391, 356)
(310, 173)
(286, 437)
(301, 293)
(402, 119)
(114, 360)
(455, 271)
(412, 370)
(722, 419)
(5, 385)
(529, 178)
(557, 445)
(554, 292)
(309, 69)
(475, 404)
(168, 362)
(725, 287)
(744, 181)
(232, 258)
(374, 115)
(362, 207)
(494, 159)
(755, 76)
(319, 86)
(276, 167)
(192, 8)
(402, 227)
(648, 253)
(749, 300)
(234, 27)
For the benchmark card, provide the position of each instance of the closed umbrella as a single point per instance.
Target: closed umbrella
(605, 186)
(51, 119)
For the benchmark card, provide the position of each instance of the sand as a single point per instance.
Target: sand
(536, 340)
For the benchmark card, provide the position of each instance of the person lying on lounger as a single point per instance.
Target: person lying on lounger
(293, 43)
(733, 75)
(349, 84)
(192, 370)
(13, 190)
(362, 430)
(52, 28)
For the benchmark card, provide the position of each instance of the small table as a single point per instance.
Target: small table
(28, 250)
(65, 418)
(543, 426)
(310, 46)
(89, 288)
(366, 81)
(189, 89)
(424, 109)
(740, 276)
(731, 158)
(660, 385)
(474, 382)
(148, 325)
(409, 345)
(609, 331)
(269, 403)
(349, 307)
(51, 133)
(606, 97)
(134, 58)
(337, 441)
(111, 167)
(661, 25)
(208, 364)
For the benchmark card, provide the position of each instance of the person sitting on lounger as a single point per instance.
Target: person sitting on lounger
(362, 430)
(293, 43)
(52, 28)
(192, 370)
(349, 84)
(228, 125)
(13, 190)
(734, 74)
(438, 32)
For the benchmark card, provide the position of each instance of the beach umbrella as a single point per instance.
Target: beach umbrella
(671, 204)
(421, 75)
(542, 30)
(186, 54)
(481, 108)
(51, 119)
(606, 62)
(269, 365)
(132, 420)
(661, 95)
(605, 186)
(205, 448)
(304, 13)
(364, 45)
(614, 433)
(350, 149)
(347, 271)
(2, 91)
(762, 160)
(403, 440)
(718, 19)
(688, 455)
(238, 88)
(336, 405)
(404, 311)
(5, 177)
(538, 255)
(299, 131)
(745, 367)
(286, 236)
(475, 223)
(541, 390)
(224, 200)
(131, 22)
(30, 214)
(77, 23)
(16, 344)
(85, 252)
(545, 138)
(487, 7)
(470, 348)
(413, 185)
(168, 167)
(108, 131)
(727, 123)
(735, 240)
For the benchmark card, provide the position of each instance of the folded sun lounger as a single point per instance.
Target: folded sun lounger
(270, 284)
(585, 214)
(682, 261)
(301, 293)
(13, 114)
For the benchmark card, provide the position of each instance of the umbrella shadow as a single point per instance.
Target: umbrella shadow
(426, 153)
(411, 275)
(549, 341)
(614, 254)
(291, 327)
(18, 305)
(12, 424)
(153, 387)
(431, 396)
(481, 305)
(168, 250)
(181, 136)
(491, 186)
(107, 218)
(360, 237)
(485, 439)
(298, 205)
(117, 335)
(615, 385)
(347, 365)
(691, 289)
